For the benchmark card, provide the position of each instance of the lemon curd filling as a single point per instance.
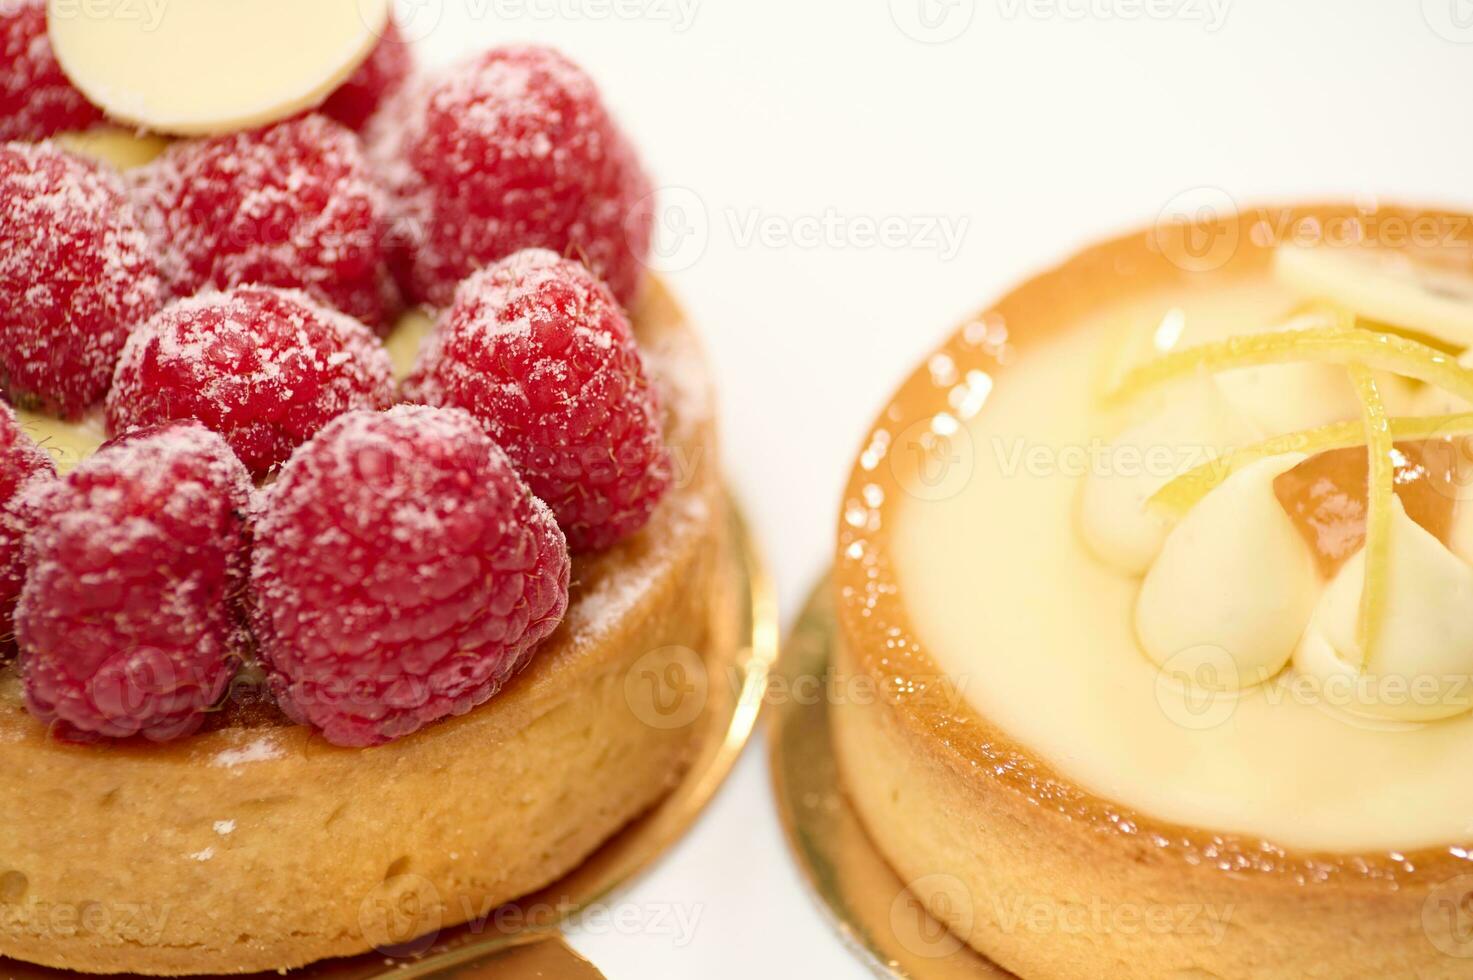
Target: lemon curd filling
(1156, 626)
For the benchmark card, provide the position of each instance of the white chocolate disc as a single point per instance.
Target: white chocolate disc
(1387, 286)
(195, 67)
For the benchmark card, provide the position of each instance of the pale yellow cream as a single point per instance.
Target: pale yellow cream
(71, 442)
(1005, 597)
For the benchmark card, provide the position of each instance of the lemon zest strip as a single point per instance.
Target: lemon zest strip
(1339, 345)
(1178, 497)
(1380, 501)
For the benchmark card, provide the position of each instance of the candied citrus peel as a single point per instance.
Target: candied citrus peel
(1326, 496)
(1183, 493)
(1337, 344)
(1380, 503)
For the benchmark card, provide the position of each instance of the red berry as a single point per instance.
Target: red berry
(36, 99)
(129, 622)
(75, 277)
(537, 349)
(293, 205)
(404, 574)
(383, 74)
(21, 462)
(265, 368)
(513, 150)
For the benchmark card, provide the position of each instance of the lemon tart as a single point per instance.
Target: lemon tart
(1155, 577)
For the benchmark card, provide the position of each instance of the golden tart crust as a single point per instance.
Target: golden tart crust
(257, 846)
(983, 828)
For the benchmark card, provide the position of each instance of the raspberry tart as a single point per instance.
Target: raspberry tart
(312, 600)
(1160, 569)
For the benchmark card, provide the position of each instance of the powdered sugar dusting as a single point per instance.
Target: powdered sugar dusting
(293, 205)
(402, 573)
(538, 350)
(36, 99)
(75, 276)
(259, 750)
(266, 368)
(376, 80)
(128, 618)
(511, 149)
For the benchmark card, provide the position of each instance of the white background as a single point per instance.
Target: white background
(1035, 126)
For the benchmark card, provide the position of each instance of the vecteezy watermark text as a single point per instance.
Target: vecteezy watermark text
(832, 229)
(147, 14)
(1211, 14)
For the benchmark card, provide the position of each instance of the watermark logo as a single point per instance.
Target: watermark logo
(403, 915)
(1451, 20)
(1198, 688)
(682, 228)
(1447, 917)
(923, 933)
(933, 21)
(1448, 458)
(416, 19)
(1197, 230)
(668, 688)
(933, 459)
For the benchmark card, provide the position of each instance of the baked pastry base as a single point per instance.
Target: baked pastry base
(257, 846)
(892, 850)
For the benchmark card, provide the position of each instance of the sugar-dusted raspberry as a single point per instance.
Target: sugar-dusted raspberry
(21, 462)
(265, 368)
(75, 276)
(129, 622)
(403, 574)
(512, 150)
(36, 99)
(537, 349)
(384, 73)
(292, 205)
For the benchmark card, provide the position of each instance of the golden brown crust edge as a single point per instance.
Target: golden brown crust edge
(259, 849)
(1049, 897)
(944, 792)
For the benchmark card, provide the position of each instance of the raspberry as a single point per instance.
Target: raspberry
(404, 574)
(384, 73)
(21, 462)
(512, 150)
(292, 205)
(36, 99)
(128, 623)
(536, 348)
(75, 276)
(265, 368)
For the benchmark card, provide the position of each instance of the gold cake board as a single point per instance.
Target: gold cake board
(524, 940)
(880, 920)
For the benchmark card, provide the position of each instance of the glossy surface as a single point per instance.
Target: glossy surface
(920, 450)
